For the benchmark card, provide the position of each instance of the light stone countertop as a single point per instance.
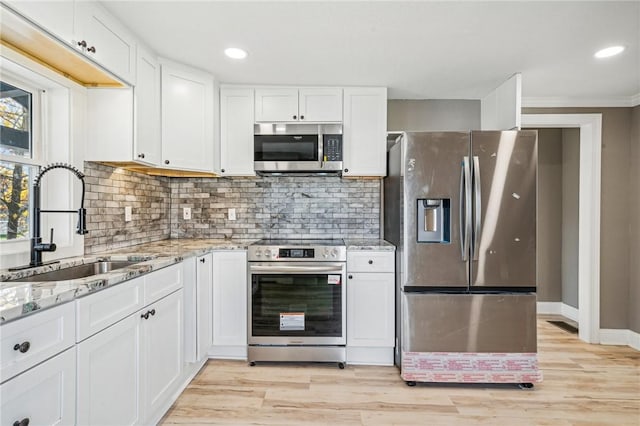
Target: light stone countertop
(18, 299)
(369, 245)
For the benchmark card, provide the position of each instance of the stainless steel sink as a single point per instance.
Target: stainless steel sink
(79, 271)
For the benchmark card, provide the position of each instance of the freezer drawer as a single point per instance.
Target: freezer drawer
(434, 322)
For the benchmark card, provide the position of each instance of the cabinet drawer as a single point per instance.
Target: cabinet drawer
(29, 341)
(160, 283)
(370, 261)
(44, 395)
(98, 311)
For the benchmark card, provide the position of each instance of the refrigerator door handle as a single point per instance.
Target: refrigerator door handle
(477, 207)
(465, 197)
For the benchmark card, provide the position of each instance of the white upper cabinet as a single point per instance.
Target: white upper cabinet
(321, 105)
(365, 131)
(296, 105)
(147, 147)
(56, 17)
(187, 100)
(101, 37)
(236, 132)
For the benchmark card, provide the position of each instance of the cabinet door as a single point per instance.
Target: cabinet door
(56, 17)
(230, 300)
(276, 105)
(187, 118)
(107, 41)
(147, 144)
(204, 280)
(236, 132)
(162, 351)
(365, 131)
(44, 395)
(320, 105)
(370, 309)
(109, 375)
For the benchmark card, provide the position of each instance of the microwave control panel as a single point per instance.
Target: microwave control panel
(332, 147)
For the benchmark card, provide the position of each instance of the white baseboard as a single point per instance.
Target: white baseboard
(570, 312)
(558, 308)
(550, 308)
(624, 337)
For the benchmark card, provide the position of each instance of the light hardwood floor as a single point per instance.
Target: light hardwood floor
(583, 385)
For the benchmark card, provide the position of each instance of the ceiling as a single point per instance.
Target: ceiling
(418, 49)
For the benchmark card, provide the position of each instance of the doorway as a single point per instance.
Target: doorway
(557, 220)
(590, 126)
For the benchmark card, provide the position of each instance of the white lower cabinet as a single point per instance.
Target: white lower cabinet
(44, 395)
(370, 308)
(229, 304)
(109, 375)
(161, 352)
(129, 371)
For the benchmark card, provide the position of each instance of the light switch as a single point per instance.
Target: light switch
(232, 214)
(186, 213)
(127, 214)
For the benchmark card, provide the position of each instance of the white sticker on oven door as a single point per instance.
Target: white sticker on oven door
(334, 279)
(290, 321)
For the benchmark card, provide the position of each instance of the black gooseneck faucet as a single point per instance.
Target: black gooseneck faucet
(37, 246)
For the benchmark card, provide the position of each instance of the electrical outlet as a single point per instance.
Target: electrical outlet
(232, 214)
(127, 214)
(186, 213)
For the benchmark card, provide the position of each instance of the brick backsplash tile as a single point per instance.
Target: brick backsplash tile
(266, 207)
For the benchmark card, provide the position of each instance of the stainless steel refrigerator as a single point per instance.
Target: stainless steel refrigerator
(461, 209)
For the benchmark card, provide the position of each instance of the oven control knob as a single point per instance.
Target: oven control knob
(258, 253)
(267, 253)
(325, 252)
(334, 253)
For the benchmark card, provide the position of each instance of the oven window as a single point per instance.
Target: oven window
(296, 305)
(285, 148)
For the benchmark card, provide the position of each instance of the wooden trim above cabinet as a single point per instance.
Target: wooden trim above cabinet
(27, 39)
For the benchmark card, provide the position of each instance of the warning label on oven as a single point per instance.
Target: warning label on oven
(333, 279)
(290, 321)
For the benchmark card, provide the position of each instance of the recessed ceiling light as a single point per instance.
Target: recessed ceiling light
(609, 51)
(235, 53)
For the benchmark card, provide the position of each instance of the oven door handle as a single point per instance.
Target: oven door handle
(307, 269)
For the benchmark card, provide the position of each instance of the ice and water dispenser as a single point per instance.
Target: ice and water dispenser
(434, 220)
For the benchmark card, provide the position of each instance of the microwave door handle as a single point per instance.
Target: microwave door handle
(320, 149)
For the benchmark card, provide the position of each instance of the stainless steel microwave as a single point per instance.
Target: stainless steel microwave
(298, 149)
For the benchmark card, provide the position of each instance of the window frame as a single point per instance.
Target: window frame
(37, 148)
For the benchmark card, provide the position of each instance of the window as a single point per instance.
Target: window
(17, 163)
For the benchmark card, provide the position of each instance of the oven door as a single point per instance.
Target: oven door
(297, 303)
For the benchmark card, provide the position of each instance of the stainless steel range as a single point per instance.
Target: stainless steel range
(297, 303)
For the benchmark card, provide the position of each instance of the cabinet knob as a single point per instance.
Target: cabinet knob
(152, 312)
(23, 422)
(166, 161)
(346, 170)
(302, 117)
(82, 44)
(22, 347)
(202, 260)
(141, 155)
(92, 49)
(370, 262)
(222, 170)
(350, 277)
(295, 116)
(145, 315)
